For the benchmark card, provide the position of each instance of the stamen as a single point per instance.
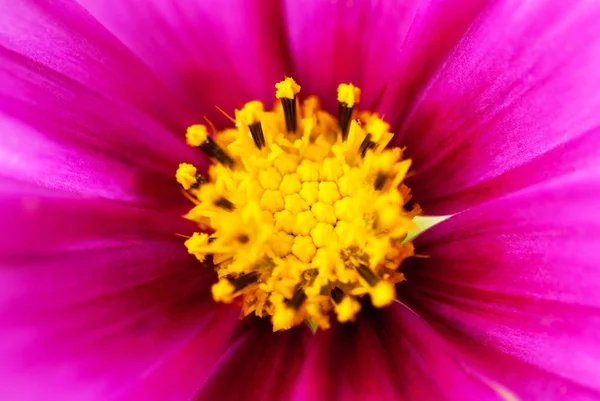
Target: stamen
(257, 134)
(366, 273)
(337, 294)
(366, 144)
(197, 135)
(380, 181)
(224, 204)
(306, 225)
(244, 281)
(251, 115)
(297, 300)
(287, 90)
(348, 96)
(188, 177)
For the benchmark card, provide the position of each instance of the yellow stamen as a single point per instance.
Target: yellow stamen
(347, 309)
(223, 291)
(288, 88)
(251, 113)
(186, 175)
(196, 135)
(348, 94)
(307, 224)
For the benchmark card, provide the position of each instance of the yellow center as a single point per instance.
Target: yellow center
(302, 213)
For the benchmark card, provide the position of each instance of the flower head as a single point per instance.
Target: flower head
(307, 209)
(495, 104)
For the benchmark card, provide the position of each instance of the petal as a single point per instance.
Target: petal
(435, 30)
(581, 153)
(388, 354)
(257, 364)
(347, 41)
(30, 157)
(521, 82)
(208, 52)
(95, 297)
(520, 275)
(63, 37)
(64, 99)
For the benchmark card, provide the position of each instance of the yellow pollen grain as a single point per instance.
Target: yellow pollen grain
(196, 135)
(186, 175)
(197, 245)
(251, 113)
(298, 218)
(223, 291)
(347, 309)
(288, 88)
(383, 294)
(348, 94)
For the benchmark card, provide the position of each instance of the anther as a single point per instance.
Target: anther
(187, 175)
(197, 135)
(199, 181)
(286, 92)
(244, 280)
(251, 115)
(213, 150)
(297, 300)
(257, 134)
(224, 204)
(348, 96)
(380, 181)
(337, 295)
(367, 274)
(366, 144)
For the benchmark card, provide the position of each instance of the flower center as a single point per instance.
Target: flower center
(302, 213)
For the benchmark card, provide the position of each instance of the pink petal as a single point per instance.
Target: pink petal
(207, 52)
(95, 297)
(257, 364)
(66, 39)
(582, 153)
(30, 157)
(435, 30)
(347, 41)
(521, 82)
(63, 99)
(388, 354)
(520, 275)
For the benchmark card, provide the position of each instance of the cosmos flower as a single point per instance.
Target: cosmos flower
(493, 106)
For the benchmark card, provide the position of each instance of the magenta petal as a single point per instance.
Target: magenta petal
(30, 157)
(208, 52)
(521, 82)
(520, 275)
(63, 37)
(339, 41)
(389, 354)
(582, 153)
(258, 365)
(95, 297)
(435, 30)
(72, 114)
(76, 103)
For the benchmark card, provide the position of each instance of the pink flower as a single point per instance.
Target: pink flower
(496, 102)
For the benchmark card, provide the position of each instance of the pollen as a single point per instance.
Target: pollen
(303, 215)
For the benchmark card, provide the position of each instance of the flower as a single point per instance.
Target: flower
(495, 102)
